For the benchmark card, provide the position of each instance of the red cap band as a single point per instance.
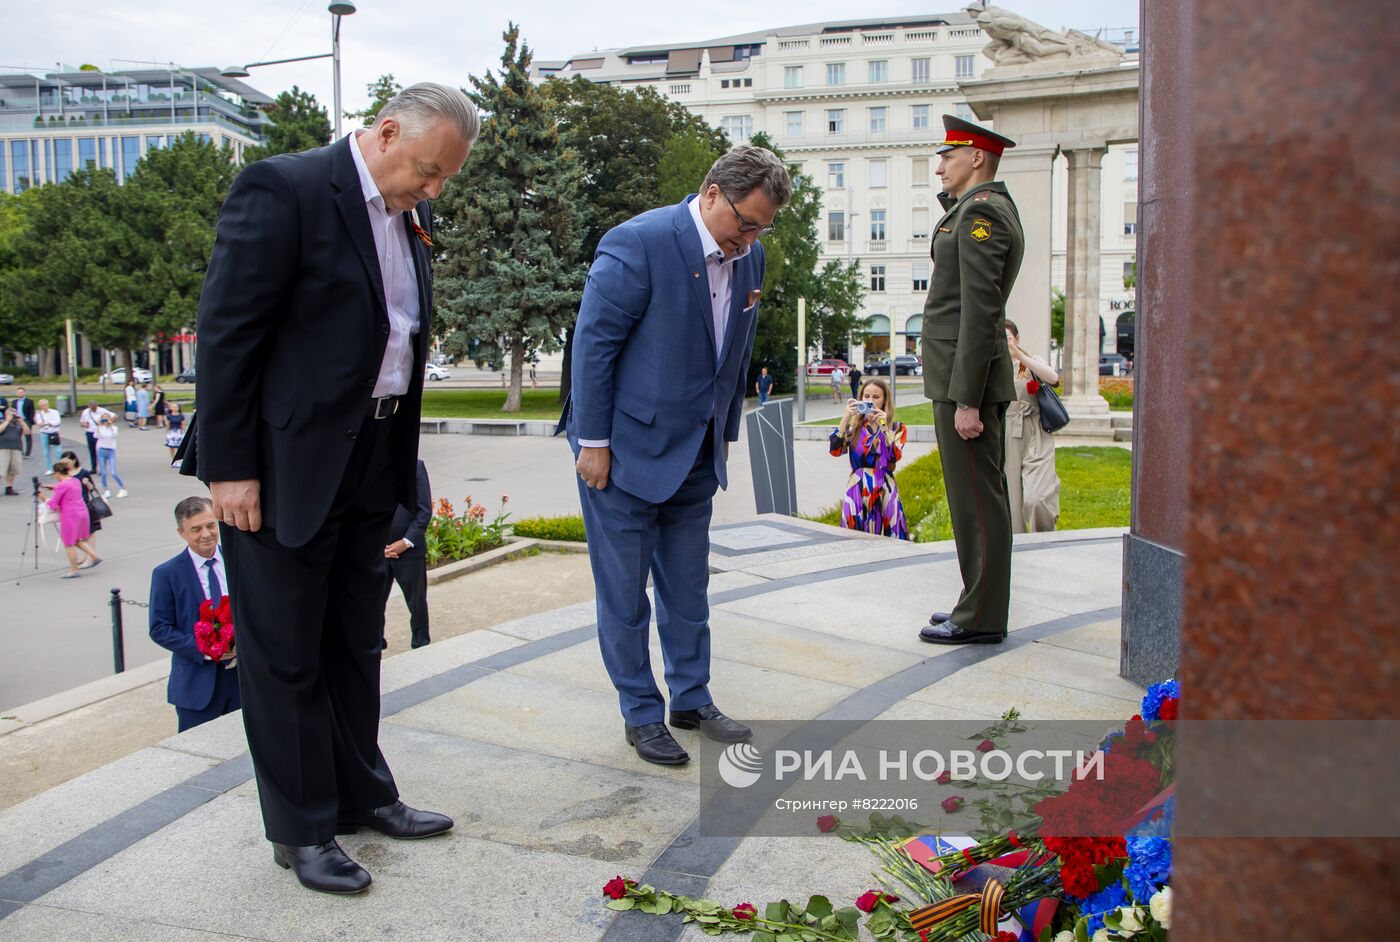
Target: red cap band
(973, 139)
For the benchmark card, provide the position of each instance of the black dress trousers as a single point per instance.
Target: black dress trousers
(411, 573)
(309, 624)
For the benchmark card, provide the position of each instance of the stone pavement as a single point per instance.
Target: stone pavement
(514, 731)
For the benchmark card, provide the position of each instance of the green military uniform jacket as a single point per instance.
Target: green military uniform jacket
(977, 249)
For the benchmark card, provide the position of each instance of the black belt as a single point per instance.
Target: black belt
(383, 407)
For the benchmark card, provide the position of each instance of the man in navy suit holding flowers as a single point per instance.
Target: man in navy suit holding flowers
(203, 686)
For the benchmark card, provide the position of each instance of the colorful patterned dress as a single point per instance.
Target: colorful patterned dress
(872, 501)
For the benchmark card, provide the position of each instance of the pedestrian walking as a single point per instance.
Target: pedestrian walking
(175, 428)
(143, 406)
(764, 385)
(838, 380)
(158, 405)
(107, 457)
(74, 528)
(88, 488)
(855, 376)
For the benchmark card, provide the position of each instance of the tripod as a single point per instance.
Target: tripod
(30, 525)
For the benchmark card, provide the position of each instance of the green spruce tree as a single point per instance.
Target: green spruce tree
(381, 92)
(509, 228)
(298, 123)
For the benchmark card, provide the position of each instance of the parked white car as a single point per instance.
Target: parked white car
(6, 379)
(434, 372)
(118, 376)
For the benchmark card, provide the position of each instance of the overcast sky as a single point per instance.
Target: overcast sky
(418, 40)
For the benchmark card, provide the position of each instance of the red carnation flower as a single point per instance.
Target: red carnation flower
(944, 777)
(826, 823)
(952, 803)
(871, 898)
(1006, 937)
(1167, 711)
(206, 610)
(986, 745)
(745, 911)
(616, 888)
(1032, 386)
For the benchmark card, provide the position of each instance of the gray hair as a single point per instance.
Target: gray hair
(747, 168)
(191, 507)
(420, 106)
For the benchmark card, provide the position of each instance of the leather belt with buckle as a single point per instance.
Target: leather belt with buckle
(383, 407)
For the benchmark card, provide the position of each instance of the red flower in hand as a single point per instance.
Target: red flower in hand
(826, 823)
(952, 803)
(616, 888)
(206, 610)
(944, 777)
(745, 911)
(1032, 386)
(1167, 711)
(986, 745)
(871, 898)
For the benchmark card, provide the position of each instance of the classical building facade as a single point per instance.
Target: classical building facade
(855, 105)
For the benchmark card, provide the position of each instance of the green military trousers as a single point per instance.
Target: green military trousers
(974, 474)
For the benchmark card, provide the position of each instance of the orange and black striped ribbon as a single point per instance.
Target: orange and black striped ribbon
(926, 917)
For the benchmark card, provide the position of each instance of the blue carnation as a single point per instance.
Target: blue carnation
(1161, 825)
(1104, 901)
(1149, 865)
(1152, 703)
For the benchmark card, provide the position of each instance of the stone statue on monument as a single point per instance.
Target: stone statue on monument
(1018, 41)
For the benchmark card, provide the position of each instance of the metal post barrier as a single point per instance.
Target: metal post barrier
(118, 645)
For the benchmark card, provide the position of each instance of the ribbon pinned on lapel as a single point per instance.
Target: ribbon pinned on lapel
(419, 230)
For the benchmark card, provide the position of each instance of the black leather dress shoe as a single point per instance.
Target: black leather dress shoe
(712, 723)
(655, 744)
(396, 820)
(324, 867)
(945, 632)
(937, 617)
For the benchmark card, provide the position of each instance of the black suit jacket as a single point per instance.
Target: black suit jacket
(292, 331)
(26, 409)
(411, 520)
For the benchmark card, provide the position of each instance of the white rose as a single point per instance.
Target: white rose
(1161, 907)
(1065, 936)
(1101, 936)
(1130, 919)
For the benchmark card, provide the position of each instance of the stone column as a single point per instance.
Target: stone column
(1082, 284)
(1026, 172)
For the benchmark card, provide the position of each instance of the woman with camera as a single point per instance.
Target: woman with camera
(74, 528)
(874, 441)
(1031, 481)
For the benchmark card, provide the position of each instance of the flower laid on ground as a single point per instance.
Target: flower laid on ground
(826, 823)
(871, 898)
(616, 888)
(986, 745)
(952, 803)
(944, 777)
(745, 911)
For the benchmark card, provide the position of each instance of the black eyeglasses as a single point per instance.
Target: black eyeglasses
(745, 227)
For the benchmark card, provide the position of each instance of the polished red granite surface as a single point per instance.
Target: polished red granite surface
(1291, 601)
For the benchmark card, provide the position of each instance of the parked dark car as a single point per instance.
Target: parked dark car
(187, 376)
(1111, 364)
(905, 365)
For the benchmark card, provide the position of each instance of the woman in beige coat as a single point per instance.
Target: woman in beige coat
(1031, 481)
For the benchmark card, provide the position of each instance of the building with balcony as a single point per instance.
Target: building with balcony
(857, 105)
(54, 124)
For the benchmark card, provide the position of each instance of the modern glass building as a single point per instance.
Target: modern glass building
(54, 124)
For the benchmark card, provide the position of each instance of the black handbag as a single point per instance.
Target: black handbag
(1053, 416)
(98, 508)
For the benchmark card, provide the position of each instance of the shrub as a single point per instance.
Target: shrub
(567, 528)
(451, 536)
(1118, 390)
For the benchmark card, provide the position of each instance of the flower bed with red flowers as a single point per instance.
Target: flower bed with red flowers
(451, 536)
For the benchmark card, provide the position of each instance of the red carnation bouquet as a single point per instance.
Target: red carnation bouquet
(213, 632)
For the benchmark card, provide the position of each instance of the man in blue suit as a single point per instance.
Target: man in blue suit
(660, 363)
(200, 689)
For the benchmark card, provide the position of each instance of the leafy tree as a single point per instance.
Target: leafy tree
(621, 137)
(27, 316)
(1057, 316)
(381, 91)
(298, 124)
(685, 160)
(834, 291)
(509, 227)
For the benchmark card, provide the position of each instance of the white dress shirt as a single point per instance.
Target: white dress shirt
(400, 284)
(89, 419)
(203, 573)
(719, 276)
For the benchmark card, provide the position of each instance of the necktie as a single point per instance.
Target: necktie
(216, 591)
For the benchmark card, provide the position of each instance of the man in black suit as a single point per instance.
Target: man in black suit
(313, 332)
(408, 557)
(25, 407)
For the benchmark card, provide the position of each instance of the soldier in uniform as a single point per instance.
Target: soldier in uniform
(968, 374)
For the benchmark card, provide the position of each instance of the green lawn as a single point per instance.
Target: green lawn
(1094, 490)
(486, 404)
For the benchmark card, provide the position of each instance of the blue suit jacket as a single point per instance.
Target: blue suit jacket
(645, 373)
(175, 598)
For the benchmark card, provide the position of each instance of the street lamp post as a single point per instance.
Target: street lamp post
(337, 8)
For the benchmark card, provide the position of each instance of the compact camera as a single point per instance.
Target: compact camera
(865, 407)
